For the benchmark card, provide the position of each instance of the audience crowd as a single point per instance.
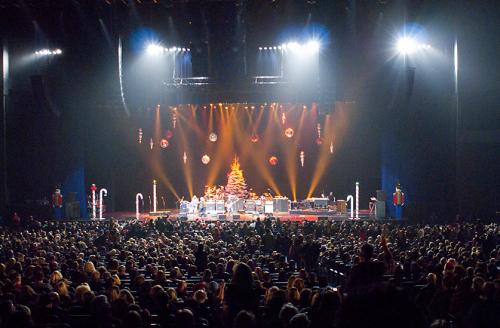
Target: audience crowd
(168, 273)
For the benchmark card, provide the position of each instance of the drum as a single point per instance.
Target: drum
(341, 206)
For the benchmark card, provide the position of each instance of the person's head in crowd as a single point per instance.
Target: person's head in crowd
(242, 276)
(431, 278)
(293, 295)
(81, 290)
(55, 277)
(286, 313)
(200, 296)
(366, 252)
(172, 294)
(299, 320)
(184, 318)
(89, 267)
(305, 298)
(245, 319)
(132, 320)
(126, 295)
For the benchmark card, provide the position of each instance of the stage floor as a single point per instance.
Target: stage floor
(295, 216)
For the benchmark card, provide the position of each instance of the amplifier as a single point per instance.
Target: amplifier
(380, 209)
(280, 204)
(381, 195)
(250, 206)
(72, 210)
(219, 206)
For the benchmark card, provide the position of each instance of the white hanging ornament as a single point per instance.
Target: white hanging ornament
(151, 143)
(318, 128)
(283, 118)
(205, 159)
(212, 137)
(331, 147)
(302, 157)
(140, 135)
(184, 157)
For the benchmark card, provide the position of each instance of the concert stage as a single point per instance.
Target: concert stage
(297, 216)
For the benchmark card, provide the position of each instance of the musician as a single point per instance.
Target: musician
(202, 206)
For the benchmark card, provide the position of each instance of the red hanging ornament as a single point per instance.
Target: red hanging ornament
(164, 143)
(273, 160)
(254, 138)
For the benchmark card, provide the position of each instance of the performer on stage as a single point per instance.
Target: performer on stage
(57, 204)
(398, 200)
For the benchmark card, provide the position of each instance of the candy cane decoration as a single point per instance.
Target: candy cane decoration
(102, 193)
(93, 188)
(283, 118)
(350, 199)
(154, 196)
(357, 200)
(137, 212)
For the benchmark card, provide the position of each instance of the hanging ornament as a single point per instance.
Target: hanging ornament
(169, 134)
(174, 117)
(273, 160)
(163, 143)
(331, 147)
(205, 159)
(254, 138)
(319, 141)
(289, 132)
(151, 143)
(283, 118)
(318, 128)
(302, 157)
(212, 137)
(184, 158)
(140, 135)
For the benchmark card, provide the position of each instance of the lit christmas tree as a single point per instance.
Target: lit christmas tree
(236, 184)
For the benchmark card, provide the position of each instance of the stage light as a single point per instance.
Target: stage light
(154, 49)
(260, 48)
(183, 49)
(406, 45)
(265, 48)
(274, 48)
(312, 46)
(280, 47)
(48, 52)
(294, 46)
(188, 49)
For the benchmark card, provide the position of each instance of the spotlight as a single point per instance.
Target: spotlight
(260, 48)
(183, 49)
(406, 45)
(279, 47)
(154, 49)
(265, 48)
(48, 52)
(294, 46)
(274, 48)
(188, 49)
(312, 46)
